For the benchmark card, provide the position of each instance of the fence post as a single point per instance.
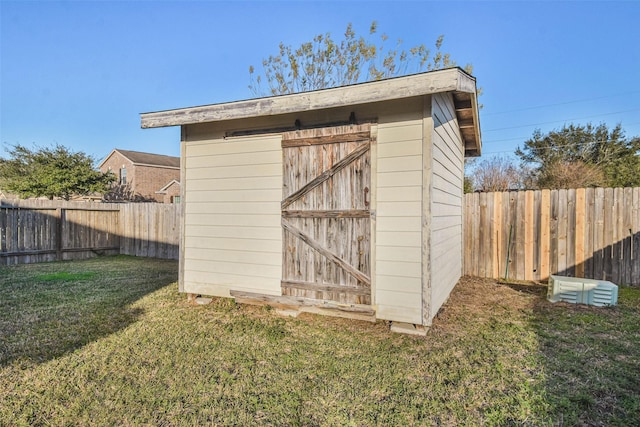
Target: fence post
(59, 218)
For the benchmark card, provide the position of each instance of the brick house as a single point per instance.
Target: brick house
(170, 193)
(143, 176)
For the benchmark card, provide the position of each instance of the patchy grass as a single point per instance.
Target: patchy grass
(123, 347)
(592, 356)
(50, 309)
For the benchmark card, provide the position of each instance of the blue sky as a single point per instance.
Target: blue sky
(78, 73)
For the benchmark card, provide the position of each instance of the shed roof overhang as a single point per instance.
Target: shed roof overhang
(454, 80)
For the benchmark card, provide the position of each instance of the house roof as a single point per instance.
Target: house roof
(147, 159)
(454, 80)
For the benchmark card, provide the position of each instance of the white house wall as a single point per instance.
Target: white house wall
(233, 238)
(446, 201)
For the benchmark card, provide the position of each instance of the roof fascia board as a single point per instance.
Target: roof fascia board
(466, 83)
(476, 123)
(449, 80)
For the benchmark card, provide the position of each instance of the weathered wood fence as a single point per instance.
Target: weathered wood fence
(528, 235)
(525, 235)
(42, 230)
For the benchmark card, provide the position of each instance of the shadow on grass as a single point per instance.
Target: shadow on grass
(590, 356)
(51, 309)
(581, 362)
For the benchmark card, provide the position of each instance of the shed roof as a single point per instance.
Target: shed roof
(454, 80)
(148, 159)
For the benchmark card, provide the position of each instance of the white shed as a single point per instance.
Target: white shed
(344, 200)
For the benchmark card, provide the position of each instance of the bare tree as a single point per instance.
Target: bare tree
(497, 174)
(124, 193)
(323, 62)
(576, 174)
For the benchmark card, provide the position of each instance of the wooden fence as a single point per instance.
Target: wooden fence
(528, 235)
(42, 230)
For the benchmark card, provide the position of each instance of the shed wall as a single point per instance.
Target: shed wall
(446, 201)
(233, 238)
(398, 262)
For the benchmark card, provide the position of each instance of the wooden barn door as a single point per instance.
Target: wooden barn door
(325, 214)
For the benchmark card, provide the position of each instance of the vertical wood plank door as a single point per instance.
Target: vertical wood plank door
(325, 214)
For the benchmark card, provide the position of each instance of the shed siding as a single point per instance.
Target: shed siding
(446, 201)
(233, 238)
(398, 266)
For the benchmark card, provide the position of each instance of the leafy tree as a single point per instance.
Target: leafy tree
(51, 172)
(624, 169)
(323, 63)
(591, 150)
(468, 184)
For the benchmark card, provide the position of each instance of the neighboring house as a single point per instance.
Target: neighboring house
(143, 176)
(346, 200)
(171, 192)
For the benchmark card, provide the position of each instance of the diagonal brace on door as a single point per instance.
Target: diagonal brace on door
(326, 174)
(357, 274)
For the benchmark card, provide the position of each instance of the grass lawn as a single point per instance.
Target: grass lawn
(110, 341)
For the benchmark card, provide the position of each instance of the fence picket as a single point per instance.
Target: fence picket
(570, 259)
(497, 234)
(579, 219)
(635, 231)
(545, 233)
(609, 220)
(528, 236)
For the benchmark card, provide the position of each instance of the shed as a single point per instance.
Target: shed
(345, 200)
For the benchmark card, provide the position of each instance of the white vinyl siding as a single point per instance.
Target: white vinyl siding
(398, 259)
(446, 201)
(233, 238)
